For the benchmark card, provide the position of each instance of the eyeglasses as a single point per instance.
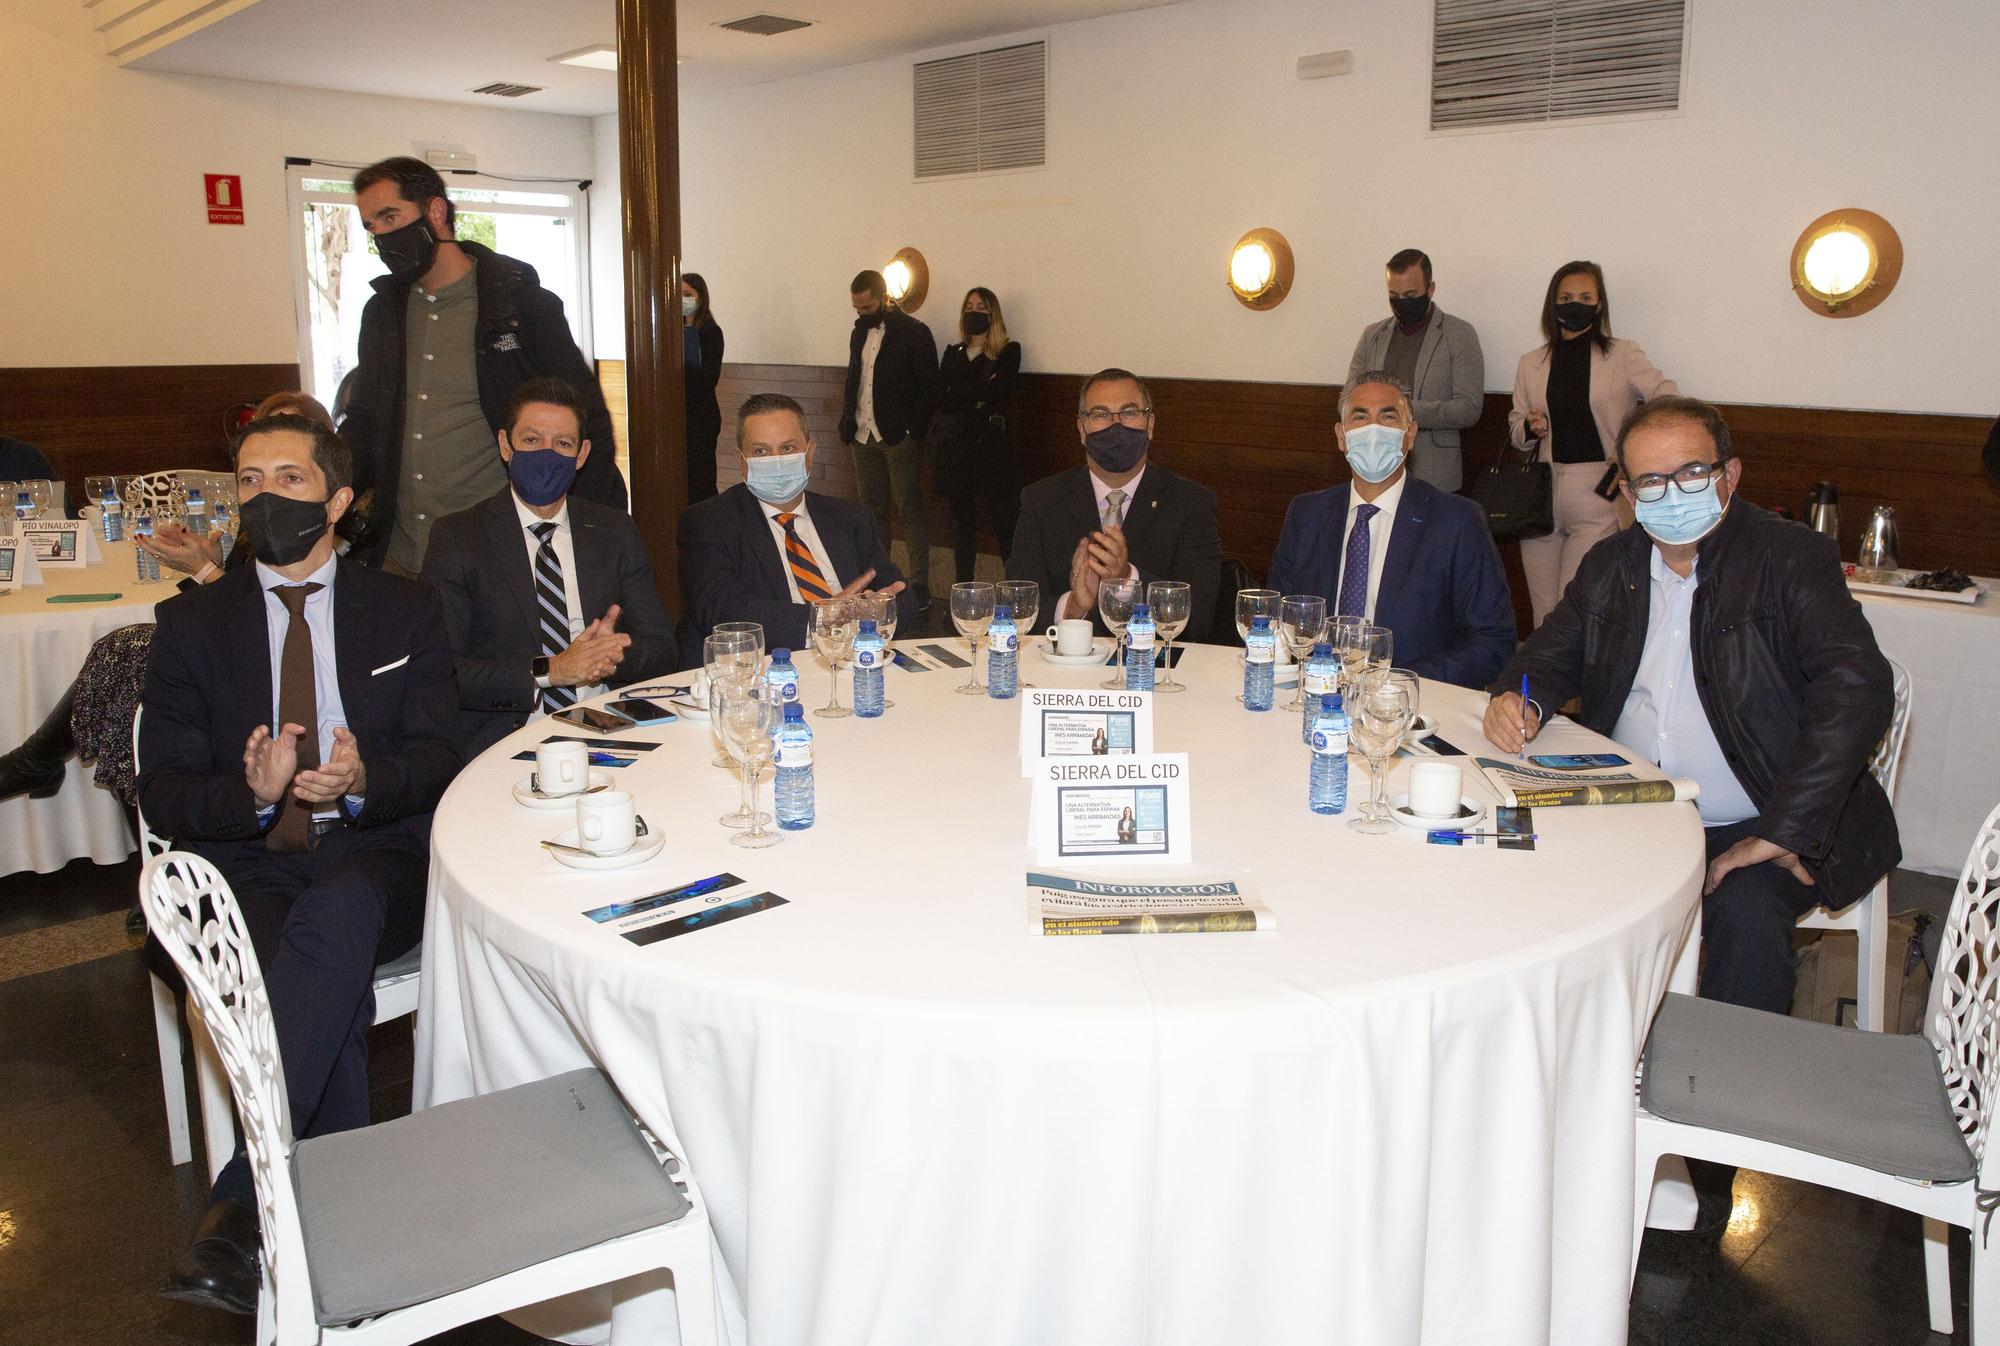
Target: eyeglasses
(1099, 417)
(1691, 478)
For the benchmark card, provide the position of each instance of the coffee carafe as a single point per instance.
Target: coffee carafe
(1823, 509)
(1878, 540)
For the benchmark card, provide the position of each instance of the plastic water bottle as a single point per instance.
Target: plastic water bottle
(1328, 791)
(868, 657)
(197, 512)
(149, 564)
(1003, 655)
(111, 512)
(1320, 676)
(783, 674)
(1139, 649)
(1260, 655)
(222, 528)
(24, 506)
(795, 770)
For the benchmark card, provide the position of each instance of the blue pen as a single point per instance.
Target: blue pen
(1523, 754)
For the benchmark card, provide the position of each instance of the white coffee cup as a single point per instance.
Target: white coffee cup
(562, 768)
(1071, 637)
(607, 823)
(1435, 789)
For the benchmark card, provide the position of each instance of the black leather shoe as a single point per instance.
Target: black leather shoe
(219, 1269)
(36, 768)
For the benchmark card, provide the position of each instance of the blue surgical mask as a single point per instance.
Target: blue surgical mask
(777, 478)
(688, 305)
(541, 477)
(1680, 517)
(1374, 452)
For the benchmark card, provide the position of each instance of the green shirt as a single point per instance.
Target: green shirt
(450, 460)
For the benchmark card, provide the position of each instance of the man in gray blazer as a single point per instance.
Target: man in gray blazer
(1435, 356)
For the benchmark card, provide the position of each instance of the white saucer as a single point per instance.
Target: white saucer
(644, 849)
(1100, 650)
(527, 798)
(1470, 812)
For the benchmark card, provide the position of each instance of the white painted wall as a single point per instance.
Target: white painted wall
(1174, 130)
(106, 255)
(607, 242)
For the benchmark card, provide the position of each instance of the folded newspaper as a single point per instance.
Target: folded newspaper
(1530, 787)
(1063, 904)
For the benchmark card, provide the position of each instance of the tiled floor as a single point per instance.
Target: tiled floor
(91, 1213)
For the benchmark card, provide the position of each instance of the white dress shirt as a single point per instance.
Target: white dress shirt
(326, 671)
(564, 545)
(808, 535)
(1101, 490)
(865, 429)
(1663, 717)
(1379, 528)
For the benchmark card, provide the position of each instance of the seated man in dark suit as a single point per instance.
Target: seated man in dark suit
(1431, 575)
(1121, 515)
(300, 726)
(766, 549)
(536, 582)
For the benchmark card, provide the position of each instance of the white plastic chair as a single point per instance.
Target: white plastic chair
(1869, 918)
(192, 911)
(164, 494)
(396, 986)
(1962, 1023)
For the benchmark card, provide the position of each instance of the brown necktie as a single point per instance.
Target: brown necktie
(298, 703)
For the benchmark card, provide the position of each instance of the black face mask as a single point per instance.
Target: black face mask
(1117, 447)
(408, 252)
(1576, 317)
(284, 529)
(1411, 309)
(977, 324)
(864, 321)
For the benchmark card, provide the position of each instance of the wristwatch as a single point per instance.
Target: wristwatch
(541, 670)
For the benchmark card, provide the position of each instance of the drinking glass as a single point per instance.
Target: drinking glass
(746, 814)
(751, 714)
(972, 612)
(1115, 601)
(41, 496)
(96, 488)
(1380, 718)
(833, 625)
(728, 656)
(1250, 605)
(1412, 687)
(1025, 597)
(881, 608)
(754, 631)
(1302, 623)
(1362, 647)
(1172, 603)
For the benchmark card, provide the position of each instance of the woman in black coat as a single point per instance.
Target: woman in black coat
(973, 434)
(701, 361)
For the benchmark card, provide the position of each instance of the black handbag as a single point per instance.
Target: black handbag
(1516, 496)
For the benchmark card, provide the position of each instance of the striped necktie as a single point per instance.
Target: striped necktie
(813, 587)
(551, 611)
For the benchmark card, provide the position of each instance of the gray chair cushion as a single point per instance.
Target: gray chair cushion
(447, 1198)
(1871, 1099)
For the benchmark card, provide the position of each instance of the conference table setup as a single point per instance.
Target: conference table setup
(1399, 1109)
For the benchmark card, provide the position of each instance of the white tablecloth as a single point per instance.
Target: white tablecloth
(1404, 1116)
(1951, 759)
(42, 645)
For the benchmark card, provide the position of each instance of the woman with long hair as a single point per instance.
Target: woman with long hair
(701, 370)
(1570, 396)
(973, 434)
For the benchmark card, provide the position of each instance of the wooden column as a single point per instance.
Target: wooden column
(650, 196)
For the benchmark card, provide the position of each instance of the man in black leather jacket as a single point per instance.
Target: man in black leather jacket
(1790, 694)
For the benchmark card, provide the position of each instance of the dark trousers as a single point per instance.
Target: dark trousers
(1003, 508)
(1746, 929)
(321, 920)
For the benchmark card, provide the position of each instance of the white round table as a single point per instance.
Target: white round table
(1403, 1116)
(42, 645)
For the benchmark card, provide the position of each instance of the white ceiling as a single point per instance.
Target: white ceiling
(442, 49)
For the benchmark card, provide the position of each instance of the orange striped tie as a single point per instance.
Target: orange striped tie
(812, 582)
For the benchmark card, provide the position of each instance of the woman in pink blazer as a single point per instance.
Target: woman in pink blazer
(1570, 397)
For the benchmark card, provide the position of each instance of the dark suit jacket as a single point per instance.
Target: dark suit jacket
(208, 685)
(731, 571)
(478, 562)
(1443, 591)
(1169, 530)
(906, 371)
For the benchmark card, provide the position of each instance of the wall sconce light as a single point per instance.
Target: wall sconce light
(909, 278)
(1260, 269)
(1846, 262)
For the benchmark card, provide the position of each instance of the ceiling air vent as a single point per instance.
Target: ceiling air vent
(764, 25)
(502, 90)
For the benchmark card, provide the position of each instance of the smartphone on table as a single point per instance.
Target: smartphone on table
(642, 712)
(594, 719)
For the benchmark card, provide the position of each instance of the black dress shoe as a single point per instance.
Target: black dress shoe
(219, 1269)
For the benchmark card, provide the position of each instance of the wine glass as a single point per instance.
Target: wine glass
(1366, 646)
(881, 609)
(1025, 597)
(972, 612)
(95, 489)
(1115, 601)
(727, 656)
(833, 626)
(746, 814)
(751, 714)
(753, 631)
(1250, 605)
(1172, 603)
(1412, 687)
(1380, 717)
(41, 496)
(1302, 622)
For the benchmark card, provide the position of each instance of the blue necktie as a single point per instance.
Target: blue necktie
(1354, 570)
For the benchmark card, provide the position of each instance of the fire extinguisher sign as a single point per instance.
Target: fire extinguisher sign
(225, 197)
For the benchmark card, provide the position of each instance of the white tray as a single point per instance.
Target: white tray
(1969, 594)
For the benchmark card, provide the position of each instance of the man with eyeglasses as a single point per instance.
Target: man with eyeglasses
(1119, 516)
(1720, 641)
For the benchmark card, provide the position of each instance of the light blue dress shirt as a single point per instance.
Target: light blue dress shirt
(326, 673)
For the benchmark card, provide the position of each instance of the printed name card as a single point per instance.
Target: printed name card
(62, 542)
(1059, 722)
(18, 567)
(1093, 811)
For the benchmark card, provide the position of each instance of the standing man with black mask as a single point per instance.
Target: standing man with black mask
(885, 415)
(451, 332)
(1436, 357)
